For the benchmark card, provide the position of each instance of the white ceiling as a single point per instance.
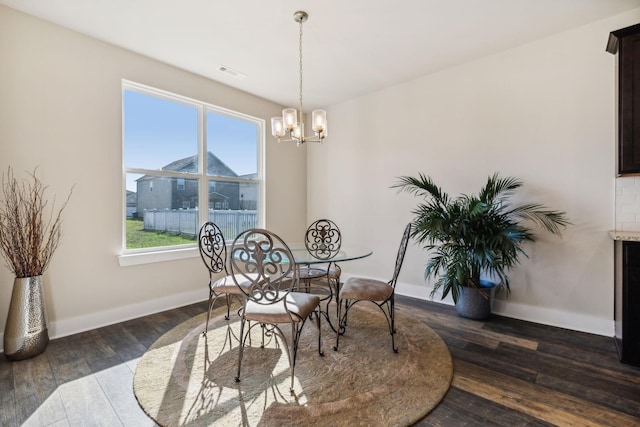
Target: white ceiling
(351, 47)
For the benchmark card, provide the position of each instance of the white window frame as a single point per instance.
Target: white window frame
(138, 256)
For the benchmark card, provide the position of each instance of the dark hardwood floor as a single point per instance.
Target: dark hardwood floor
(506, 373)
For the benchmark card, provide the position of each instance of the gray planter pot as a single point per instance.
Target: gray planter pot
(475, 303)
(26, 334)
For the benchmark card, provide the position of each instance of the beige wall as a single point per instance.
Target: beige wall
(60, 110)
(543, 112)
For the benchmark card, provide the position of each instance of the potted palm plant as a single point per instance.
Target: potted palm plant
(29, 235)
(471, 237)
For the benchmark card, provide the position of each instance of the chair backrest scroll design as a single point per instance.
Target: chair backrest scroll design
(323, 239)
(213, 249)
(264, 259)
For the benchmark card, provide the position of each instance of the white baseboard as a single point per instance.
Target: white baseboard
(562, 319)
(74, 325)
(545, 316)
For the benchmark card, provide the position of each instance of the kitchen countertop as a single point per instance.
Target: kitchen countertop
(625, 235)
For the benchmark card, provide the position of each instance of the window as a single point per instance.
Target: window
(186, 162)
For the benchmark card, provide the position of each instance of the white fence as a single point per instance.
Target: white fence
(186, 221)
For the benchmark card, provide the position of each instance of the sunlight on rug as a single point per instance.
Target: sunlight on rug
(186, 379)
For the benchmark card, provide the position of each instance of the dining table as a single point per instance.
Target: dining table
(307, 271)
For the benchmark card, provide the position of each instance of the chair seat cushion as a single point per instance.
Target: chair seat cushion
(365, 289)
(300, 304)
(227, 284)
(312, 272)
(315, 271)
(334, 272)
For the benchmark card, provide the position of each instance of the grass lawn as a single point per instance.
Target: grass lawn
(138, 238)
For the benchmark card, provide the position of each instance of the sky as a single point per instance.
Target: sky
(158, 132)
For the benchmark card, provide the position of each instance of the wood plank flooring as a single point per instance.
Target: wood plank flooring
(506, 373)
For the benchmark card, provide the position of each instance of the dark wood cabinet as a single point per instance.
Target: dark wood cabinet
(626, 44)
(627, 301)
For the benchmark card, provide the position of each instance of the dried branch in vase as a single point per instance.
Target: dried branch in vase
(29, 232)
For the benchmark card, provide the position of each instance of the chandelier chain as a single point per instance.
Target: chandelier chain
(300, 55)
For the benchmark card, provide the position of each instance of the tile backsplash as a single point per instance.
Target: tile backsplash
(628, 203)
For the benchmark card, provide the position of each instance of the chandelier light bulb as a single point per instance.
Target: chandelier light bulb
(324, 132)
(296, 133)
(290, 118)
(319, 120)
(277, 127)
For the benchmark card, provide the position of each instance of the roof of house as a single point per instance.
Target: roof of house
(131, 197)
(215, 166)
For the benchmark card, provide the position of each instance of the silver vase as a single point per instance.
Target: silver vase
(26, 334)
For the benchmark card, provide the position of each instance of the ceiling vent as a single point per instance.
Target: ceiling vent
(231, 72)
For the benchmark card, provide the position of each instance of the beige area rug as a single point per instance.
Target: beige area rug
(185, 379)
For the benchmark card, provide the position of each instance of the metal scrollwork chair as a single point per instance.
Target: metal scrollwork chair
(323, 240)
(213, 251)
(264, 259)
(382, 294)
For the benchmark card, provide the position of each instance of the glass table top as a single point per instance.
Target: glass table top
(346, 253)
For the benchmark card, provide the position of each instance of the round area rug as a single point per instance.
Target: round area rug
(187, 379)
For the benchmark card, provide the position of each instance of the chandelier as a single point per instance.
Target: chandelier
(288, 124)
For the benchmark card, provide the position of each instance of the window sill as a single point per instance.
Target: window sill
(139, 258)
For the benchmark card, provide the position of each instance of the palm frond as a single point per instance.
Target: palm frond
(421, 186)
(498, 188)
(550, 220)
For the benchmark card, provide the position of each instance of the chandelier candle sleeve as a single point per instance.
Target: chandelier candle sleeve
(297, 132)
(290, 117)
(319, 120)
(277, 127)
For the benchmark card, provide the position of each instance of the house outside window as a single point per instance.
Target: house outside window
(186, 162)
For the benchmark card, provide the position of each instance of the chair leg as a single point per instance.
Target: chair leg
(389, 314)
(242, 321)
(213, 297)
(339, 326)
(320, 352)
(337, 293)
(212, 300)
(392, 324)
(296, 331)
(293, 351)
(227, 317)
